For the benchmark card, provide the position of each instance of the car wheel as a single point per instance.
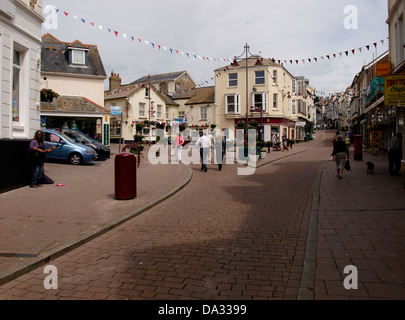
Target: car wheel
(75, 158)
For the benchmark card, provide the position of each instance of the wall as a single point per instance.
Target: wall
(23, 33)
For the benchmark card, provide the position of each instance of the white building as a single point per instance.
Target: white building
(20, 62)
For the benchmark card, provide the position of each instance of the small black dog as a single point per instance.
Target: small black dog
(370, 167)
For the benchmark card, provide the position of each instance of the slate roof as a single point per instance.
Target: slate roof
(73, 104)
(55, 58)
(160, 77)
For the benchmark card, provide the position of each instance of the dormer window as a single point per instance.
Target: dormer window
(77, 57)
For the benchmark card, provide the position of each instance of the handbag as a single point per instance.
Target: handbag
(347, 165)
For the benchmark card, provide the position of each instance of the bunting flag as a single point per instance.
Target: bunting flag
(152, 44)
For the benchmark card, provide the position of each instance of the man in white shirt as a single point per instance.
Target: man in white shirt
(204, 143)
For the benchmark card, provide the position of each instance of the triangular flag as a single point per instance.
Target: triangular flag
(116, 33)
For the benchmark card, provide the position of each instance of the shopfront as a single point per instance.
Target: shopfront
(79, 114)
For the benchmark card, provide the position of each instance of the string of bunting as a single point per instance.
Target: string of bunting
(154, 45)
(143, 41)
(204, 58)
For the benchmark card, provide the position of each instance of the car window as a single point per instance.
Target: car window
(74, 136)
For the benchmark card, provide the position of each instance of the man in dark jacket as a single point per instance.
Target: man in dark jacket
(395, 154)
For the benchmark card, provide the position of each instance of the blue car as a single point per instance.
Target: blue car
(66, 148)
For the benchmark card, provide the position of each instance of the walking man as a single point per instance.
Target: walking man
(204, 143)
(395, 154)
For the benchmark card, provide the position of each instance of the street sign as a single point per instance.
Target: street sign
(116, 111)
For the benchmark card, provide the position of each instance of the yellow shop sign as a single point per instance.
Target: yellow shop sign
(394, 90)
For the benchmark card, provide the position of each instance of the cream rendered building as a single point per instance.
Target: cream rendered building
(139, 103)
(270, 88)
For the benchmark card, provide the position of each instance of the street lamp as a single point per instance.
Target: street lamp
(246, 57)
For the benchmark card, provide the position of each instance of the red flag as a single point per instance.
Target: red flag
(353, 51)
(66, 14)
(116, 33)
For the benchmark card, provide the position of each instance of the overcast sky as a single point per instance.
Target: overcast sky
(283, 29)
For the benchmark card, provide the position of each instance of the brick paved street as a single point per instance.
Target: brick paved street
(225, 236)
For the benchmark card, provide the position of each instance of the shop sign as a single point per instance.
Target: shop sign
(394, 90)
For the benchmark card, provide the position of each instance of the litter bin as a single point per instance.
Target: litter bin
(125, 176)
(358, 147)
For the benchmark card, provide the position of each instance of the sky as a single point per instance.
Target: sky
(160, 36)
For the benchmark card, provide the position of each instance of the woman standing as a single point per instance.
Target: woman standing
(340, 152)
(37, 147)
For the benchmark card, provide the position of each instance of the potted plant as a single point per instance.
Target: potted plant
(47, 95)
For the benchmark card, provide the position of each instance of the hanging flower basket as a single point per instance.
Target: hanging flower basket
(47, 95)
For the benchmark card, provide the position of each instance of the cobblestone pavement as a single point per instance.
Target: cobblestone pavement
(226, 236)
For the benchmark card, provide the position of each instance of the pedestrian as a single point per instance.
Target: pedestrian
(179, 141)
(37, 157)
(285, 142)
(395, 154)
(340, 152)
(204, 144)
(220, 149)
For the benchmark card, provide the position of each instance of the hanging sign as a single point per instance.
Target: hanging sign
(394, 90)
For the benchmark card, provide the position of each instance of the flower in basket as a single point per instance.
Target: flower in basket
(48, 94)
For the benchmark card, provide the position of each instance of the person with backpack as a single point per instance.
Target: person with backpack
(340, 153)
(37, 156)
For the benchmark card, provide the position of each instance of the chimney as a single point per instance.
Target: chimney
(114, 81)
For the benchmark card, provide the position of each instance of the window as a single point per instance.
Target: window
(294, 86)
(274, 76)
(233, 79)
(260, 100)
(259, 77)
(167, 113)
(275, 98)
(232, 103)
(146, 91)
(141, 109)
(79, 57)
(293, 107)
(181, 114)
(203, 113)
(16, 86)
(159, 111)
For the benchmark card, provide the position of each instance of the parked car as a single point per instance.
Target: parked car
(103, 152)
(66, 148)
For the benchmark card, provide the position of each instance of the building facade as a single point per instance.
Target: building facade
(263, 91)
(20, 62)
(396, 35)
(76, 73)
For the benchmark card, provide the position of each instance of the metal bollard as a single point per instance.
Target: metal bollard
(125, 176)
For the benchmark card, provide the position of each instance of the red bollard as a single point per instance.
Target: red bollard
(358, 147)
(125, 176)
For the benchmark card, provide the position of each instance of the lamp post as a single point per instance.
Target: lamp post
(246, 57)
